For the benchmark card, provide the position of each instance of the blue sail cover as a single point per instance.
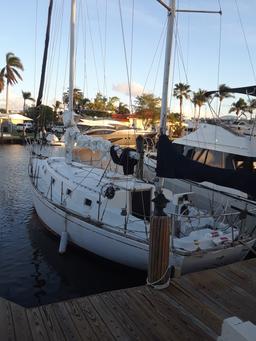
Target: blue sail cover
(172, 164)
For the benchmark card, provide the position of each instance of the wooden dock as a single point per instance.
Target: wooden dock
(192, 308)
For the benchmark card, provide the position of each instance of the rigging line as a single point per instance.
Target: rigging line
(76, 42)
(101, 48)
(49, 65)
(179, 49)
(35, 45)
(82, 180)
(58, 58)
(125, 55)
(174, 63)
(161, 38)
(93, 50)
(131, 55)
(85, 83)
(105, 48)
(51, 54)
(66, 67)
(105, 45)
(188, 42)
(246, 42)
(159, 60)
(219, 49)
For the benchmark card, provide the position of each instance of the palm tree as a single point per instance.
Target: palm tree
(199, 99)
(122, 109)
(223, 93)
(78, 96)
(112, 103)
(181, 91)
(238, 106)
(26, 97)
(11, 73)
(56, 108)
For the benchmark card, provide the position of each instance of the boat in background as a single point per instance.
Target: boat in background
(116, 132)
(54, 140)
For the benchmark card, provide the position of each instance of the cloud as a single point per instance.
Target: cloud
(15, 102)
(136, 89)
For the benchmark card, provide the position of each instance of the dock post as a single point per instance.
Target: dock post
(159, 246)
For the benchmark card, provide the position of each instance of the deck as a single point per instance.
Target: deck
(192, 308)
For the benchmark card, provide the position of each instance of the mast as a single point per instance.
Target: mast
(167, 62)
(46, 44)
(68, 116)
(72, 55)
(168, 51)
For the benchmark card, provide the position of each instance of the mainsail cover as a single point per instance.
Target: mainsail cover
(245, 90)
(172, 164)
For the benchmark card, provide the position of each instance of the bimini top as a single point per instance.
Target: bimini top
(217, 138)
(172, 164)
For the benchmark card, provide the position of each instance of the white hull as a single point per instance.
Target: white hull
(122, 249)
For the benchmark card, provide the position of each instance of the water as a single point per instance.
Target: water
(31, 270)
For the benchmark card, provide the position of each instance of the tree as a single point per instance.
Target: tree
(122, 109)
(42, 115)
(112, 103)
(175, 129)
(99, 102)
(10, 72)
(78, 97)
(223, 92)
(56, 109)
(26, 97)
(199, 99)
(181, 92)
(148, 108)
(239, 106)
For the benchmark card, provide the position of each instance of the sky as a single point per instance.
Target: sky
(119, 40)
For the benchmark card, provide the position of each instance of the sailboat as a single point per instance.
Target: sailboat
(217, 162)
(108, 213)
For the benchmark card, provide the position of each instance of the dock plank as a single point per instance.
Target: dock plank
(140, 312)
(119, 333)
(37, 327)
(241, 278)
(183, 324)
(226, 294)
(20, 321)
(51, 323)
(98, 325)
(6, 321)
(195, 306)
(65, 322)
(123, 317)
(82, 324)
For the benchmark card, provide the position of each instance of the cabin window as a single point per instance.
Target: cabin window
(243, 162)
(214, 159)
(200, 155)
(141, 204)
